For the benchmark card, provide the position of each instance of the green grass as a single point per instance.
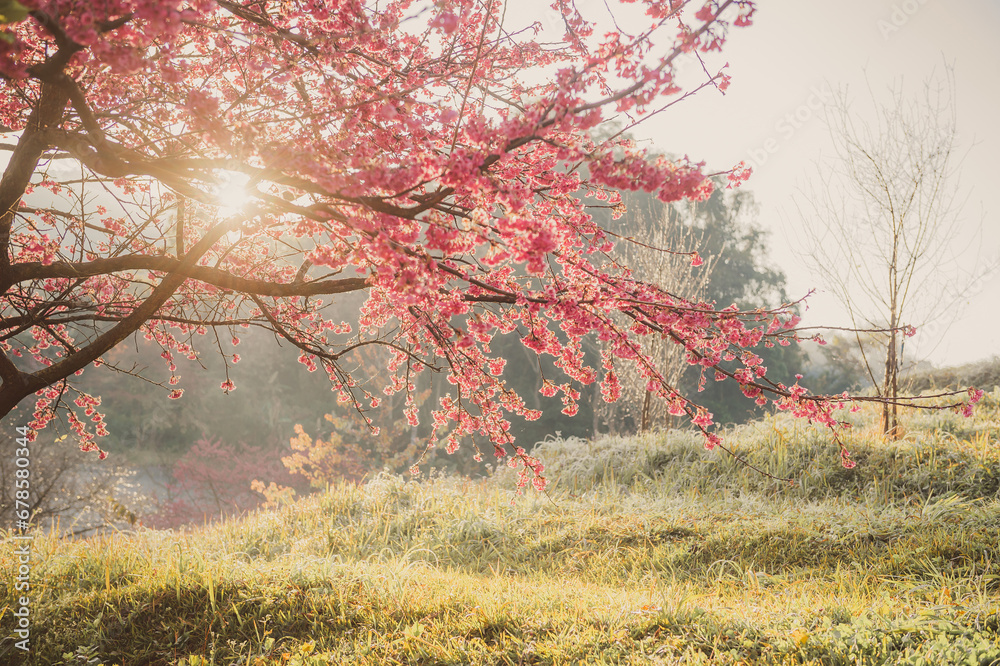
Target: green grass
(646, 550)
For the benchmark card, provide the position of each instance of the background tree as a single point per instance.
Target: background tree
(723, 228)
(839, 365)
(12, 11)
(274, 395)
(653, 227)
(883, 224)
(745, 276)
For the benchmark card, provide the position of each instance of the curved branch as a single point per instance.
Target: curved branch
(214, 276)
(26, 383)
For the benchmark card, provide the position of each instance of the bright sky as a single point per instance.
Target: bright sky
(796, 50)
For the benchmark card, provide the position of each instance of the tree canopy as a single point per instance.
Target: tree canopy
(185, 169)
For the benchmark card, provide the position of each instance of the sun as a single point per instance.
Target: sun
(232, 195)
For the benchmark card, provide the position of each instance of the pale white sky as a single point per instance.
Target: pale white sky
(796, 49)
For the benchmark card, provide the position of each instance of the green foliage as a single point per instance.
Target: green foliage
(12, 11)
(742, 274)
(272, 395)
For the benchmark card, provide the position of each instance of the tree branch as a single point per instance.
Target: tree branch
(214, 276)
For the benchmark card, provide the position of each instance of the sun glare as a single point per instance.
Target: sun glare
(231, 195)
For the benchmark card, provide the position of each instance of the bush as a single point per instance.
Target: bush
(214, 480)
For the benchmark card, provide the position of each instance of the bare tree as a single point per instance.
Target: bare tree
(884, 230)
(656, 255)
(69, 486)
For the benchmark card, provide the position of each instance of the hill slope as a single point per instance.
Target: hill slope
(647, 550)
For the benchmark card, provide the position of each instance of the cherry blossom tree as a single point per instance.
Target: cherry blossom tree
(182, 170)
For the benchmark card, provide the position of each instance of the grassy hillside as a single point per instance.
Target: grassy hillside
(983, 374)
(647, 550)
